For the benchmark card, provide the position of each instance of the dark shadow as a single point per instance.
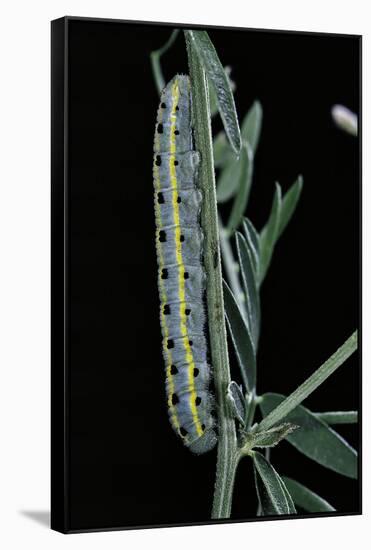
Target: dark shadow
(40, 516)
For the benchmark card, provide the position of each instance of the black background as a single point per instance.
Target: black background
(126, 465)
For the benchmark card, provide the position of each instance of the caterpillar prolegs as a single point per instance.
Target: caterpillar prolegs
(181, 275)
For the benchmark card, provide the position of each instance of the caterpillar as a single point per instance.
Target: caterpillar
(181, 275)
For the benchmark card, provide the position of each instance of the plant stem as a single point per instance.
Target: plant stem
(155, 61)
(310, 384)
(227, 458)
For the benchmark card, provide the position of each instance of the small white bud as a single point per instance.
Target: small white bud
(345, 119)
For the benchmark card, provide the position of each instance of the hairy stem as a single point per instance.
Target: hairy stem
(227, 458)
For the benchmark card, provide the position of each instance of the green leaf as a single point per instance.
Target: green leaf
(269, 233)
(223, 153)
(305, 498)
(250, 287)
(213, 101)
(338, 417)
(231, 267)
(315, 439)
(271, 437)
(237, 401)
(156, 64)
(289, 203)
(311, 383)
(214, 109)
(251, 125)
(270, 488)
(290, 502)
(246, 163)
(219, 80)
(282, 210)
(241, 339)
(230, 178)
(252, 240)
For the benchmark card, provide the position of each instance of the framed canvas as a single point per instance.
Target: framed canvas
(205, 274)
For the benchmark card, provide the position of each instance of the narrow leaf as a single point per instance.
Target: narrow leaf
(315, 438)
(223, 153)
(338, 417)
(214, 109)
(230, 178)
(289, 203)
(290, 502)
(231, 267)
(217, 76)
(305, 498)
(213, 101)
(250, 286)
(241, 198)
(251, 125)
(252, 240)
(311, 383)
(241, 339)
(271, 494)
(237, 401)
(271, 437)
(269, 233)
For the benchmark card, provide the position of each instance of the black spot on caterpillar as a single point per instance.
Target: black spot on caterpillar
(181, 275)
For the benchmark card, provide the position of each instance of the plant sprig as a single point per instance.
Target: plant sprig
(232, 154)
